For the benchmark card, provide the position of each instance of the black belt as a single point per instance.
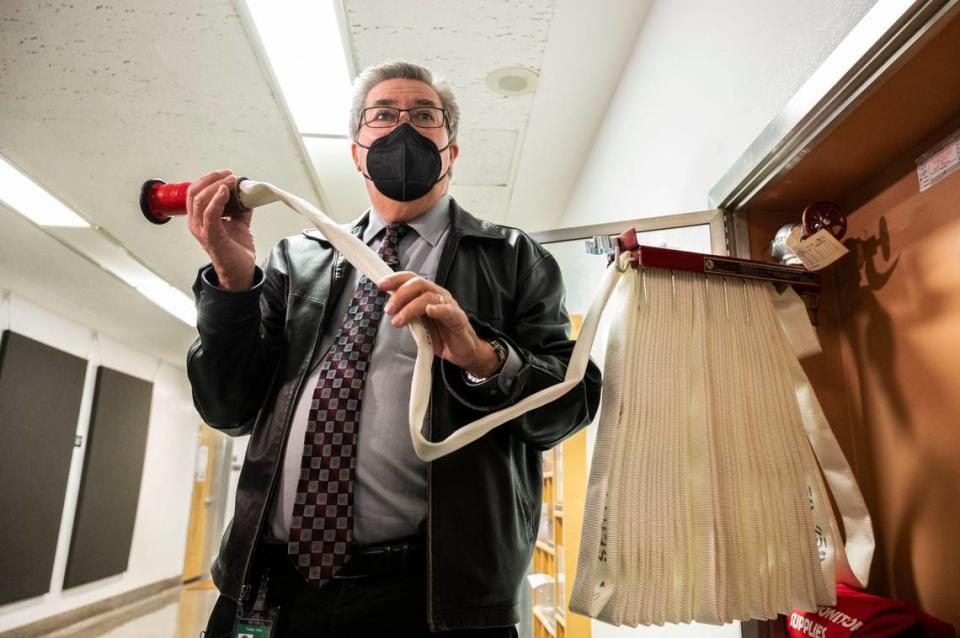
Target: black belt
(404, 555)
(400, 556)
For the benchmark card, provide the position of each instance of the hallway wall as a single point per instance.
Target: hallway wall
(159, 534)
(704, 80)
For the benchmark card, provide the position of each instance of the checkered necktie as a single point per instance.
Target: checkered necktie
(321, 529)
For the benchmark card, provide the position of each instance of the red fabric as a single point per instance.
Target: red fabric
(858, 614)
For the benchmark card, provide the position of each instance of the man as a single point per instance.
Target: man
(338, 523)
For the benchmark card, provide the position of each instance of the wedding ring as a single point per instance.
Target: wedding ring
(440, 299)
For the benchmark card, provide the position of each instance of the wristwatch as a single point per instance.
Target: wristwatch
(501, 351)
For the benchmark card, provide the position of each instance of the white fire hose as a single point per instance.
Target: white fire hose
(255, 194)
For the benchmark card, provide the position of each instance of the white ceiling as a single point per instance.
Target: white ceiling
(96, 97)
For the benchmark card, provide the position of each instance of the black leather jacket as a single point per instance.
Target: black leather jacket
(255, 349)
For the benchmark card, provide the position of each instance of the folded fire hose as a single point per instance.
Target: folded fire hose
(705, 502)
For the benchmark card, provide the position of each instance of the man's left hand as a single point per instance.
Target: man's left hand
(454, 339)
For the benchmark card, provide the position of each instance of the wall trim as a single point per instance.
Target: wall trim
(713, 218)
(121, 608)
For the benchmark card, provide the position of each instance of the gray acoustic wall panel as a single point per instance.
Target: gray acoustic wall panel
(40, 392)
(110, 487)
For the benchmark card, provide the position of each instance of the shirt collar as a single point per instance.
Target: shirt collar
(429, 225)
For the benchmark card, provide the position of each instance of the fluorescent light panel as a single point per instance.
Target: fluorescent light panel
(23, 195)
(302, 41)
(170, 299)
(115, 259)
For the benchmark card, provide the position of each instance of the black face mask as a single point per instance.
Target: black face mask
(404, 165)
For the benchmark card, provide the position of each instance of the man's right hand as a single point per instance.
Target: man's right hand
(228, 242)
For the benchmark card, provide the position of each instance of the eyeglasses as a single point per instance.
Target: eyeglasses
(389, 116)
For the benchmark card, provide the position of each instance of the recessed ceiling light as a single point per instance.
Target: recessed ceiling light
(514, 80)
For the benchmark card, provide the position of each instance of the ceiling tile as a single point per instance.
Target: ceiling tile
(486, 202)
(486, 157)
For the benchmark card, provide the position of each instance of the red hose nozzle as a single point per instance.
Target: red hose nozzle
(160, 201)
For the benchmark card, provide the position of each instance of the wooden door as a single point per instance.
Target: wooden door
(194, 564)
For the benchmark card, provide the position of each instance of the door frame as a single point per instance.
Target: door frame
(715, 218)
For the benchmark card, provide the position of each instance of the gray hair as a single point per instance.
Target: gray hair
(400, 70)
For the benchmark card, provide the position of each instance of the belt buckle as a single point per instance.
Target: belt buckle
(375, 550)
(385, 549)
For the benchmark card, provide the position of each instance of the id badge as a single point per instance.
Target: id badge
(260, 621)
(256, 625)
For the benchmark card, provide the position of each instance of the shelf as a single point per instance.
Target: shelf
(555, 552)
(550, 627)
